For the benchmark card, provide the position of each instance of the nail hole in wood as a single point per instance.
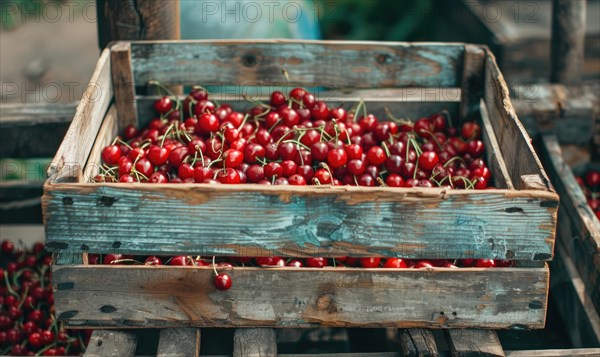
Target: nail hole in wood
(116, 244)
(99, 343)
(67, 201)
(542, 256)
(108, 309)
(513, 210)
(510, 254)
(454, 313)
(384, 58)
(442, 313)
(535, 305)
(68, 314)
(57, 245)
(107, 201)
(249, 60)
(84, 247)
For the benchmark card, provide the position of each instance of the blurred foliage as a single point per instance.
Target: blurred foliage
(376, 20)
(16, 12)
(25, 170)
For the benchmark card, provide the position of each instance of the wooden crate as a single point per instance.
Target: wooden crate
(519, 33)
(514, 221)
(578, 227)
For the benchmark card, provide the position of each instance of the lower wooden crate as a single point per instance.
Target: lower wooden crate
(166, 296)
(578, 229)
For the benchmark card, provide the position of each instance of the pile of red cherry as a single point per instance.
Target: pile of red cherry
(295, 140)
(590, 185)
(27, 323)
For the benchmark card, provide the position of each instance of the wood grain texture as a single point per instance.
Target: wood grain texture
(418, 343)
(568, 40)
(143, 296)
(299, 221)
(574, 352)
(472, 81)
(105, 343)
(179, 342)
(578, 225)
(67, 165)
(515, 143)
(308, 63)
(137, 20)
(575, 306)
(123, 84)
(474, 343)
(108, 131)
(255, 342)
(493, 153)
(24, 126)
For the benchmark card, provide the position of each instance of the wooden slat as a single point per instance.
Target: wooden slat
(494, 157)
(418, 343)
(137, 20)
(568, 40)
(108, 131)
(299, 221)
(574, 352)
(179, 342)
(514, 141)
(474, 343)
(577, 221)
(143, 296)
(472, 81)
(309, 63)
(123, 84)
(105, 343)
(254, 342)
(357, 354)
(68, 162)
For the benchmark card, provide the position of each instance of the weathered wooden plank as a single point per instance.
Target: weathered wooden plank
(574, 352)
(143, 296)
(299, 221)
(68, 162)
(123, 84)
(574, 303)
(494, 157)
(24, 126)
(418, 343)
(515, 144)
(179, 342)
(356, 354)
(108, 131)
(254, 342)
(472, 81)
(568, 40)
(137, 20)
(308, 63)
(577, 222)
(105, 343)
(474, 343)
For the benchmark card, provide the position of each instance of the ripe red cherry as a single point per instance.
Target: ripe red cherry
(297, 263)
(376, 155)
(207, 123)
(322, 177)
(277, 99)
(319, 151)
(130, 132)
(395, 263)
(592, 178)
(485, 263)
(470, 130)
(158, 177)
(163, 105)
(35, 340)
(7, 247)
(354, 151)
(297, 180)
(270, 261)
(289, 116)
(475, 148)
(144, 167)
(222, 281)
(337, 158)
(317, 262)
(181, 260)
(233, 158)
(394, 180)
(158, 155)
(371, 262)
(356, 167)
(47, 337)
(228, 176)
(111, 154)
(110, 258)
(428, 160)
(153, 260)
(320, 111)
(423, 264)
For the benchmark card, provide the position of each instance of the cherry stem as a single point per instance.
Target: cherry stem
(214, 266)
(8, 286)
(124, 143)
(385, 148)
(257, 102)
(452, 160)
(326, 167)
(285, 74)
(380, 182)
(275, 125)
(166, 134)
(52, 345)
(24, 296)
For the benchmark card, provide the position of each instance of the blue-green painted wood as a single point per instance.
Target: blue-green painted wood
(333, 64)
(248, 220)
(144, 297)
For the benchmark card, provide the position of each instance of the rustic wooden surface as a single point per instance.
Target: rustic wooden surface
(73, 153)
(472, 81)
(309, 63)
(575, 352)
(577, 221)
(494, 158)
(105, 343)
(108, 131)
(474, 343)
(418, 343)
(254, 342)
(137, 20)
(179, 342)
(568, 40)
(143, 296)
(299, 221)
(122, 79)
(512, 136)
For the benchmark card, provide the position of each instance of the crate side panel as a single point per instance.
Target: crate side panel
(297, 221)
(170, 296)
(322, 63)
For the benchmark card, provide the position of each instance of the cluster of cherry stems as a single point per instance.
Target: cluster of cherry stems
(28, 326)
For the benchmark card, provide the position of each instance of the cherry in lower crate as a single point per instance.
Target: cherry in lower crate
(590, 184)
(294, 140)
(27, 323)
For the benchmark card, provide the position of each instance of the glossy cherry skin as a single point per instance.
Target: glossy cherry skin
(395, 263)
(222, 281)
